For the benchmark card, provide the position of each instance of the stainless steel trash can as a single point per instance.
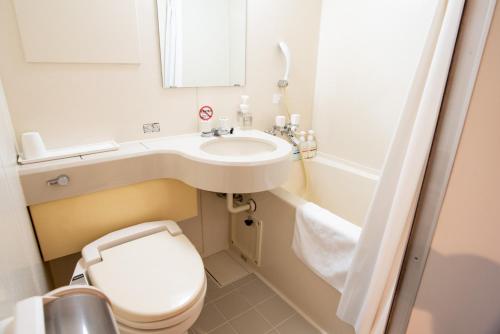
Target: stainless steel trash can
(79, 314)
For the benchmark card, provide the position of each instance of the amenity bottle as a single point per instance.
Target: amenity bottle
(312, 144)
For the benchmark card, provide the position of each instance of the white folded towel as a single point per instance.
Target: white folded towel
(325, 243)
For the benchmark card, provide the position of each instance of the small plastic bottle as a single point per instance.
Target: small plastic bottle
(303, 145)
(247, 120)
(295, 120)
(242, 110)
(312, 144)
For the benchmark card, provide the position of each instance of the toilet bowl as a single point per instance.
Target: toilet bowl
(152, 275)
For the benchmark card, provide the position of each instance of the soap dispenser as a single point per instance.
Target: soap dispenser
(245, 118)
(239, 114)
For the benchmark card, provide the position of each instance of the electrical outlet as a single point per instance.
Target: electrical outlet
(151, 127)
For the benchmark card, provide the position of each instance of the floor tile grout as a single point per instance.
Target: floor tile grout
(232, 327)
(252, 307)
(283, 321)
(265, 319)
(274, 327)
(223, 315)
(214, 301)
(216, 328)
(262, 301)
(235, 316)
(230, 291)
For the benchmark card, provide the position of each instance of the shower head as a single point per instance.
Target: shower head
(286, 53)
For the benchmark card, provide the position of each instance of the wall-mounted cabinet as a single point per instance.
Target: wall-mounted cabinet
(78, 31)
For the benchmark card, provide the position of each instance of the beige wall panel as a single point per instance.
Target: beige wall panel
(459, 292)
(215, 223)
(63, 227)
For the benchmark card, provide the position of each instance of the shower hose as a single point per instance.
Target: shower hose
(305, 189)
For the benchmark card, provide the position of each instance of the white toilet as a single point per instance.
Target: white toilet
(152, 275)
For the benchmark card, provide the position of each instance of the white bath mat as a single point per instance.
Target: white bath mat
(224, 269)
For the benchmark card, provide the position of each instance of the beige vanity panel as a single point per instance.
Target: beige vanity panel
(64, 226)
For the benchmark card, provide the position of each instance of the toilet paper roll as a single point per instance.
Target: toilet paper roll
(33, 146)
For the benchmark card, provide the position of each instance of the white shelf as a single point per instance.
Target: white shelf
(74, 151)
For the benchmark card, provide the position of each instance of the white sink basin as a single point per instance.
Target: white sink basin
(244, 162)
(228, 146)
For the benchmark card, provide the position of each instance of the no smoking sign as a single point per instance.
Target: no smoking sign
(206, 113)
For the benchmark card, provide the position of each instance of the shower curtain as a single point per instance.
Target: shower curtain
(372, 278)
(173, 44)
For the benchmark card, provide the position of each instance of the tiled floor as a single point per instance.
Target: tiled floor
(248, 306)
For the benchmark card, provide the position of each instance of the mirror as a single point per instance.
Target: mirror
(202, 42)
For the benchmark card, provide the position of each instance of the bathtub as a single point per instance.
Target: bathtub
(337, 186)
(340, 187)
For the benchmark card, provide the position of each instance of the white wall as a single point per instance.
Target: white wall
(21, 268)
(81, 103)
(84, 23)
(237, 47)
(368, 53)
(459, 292)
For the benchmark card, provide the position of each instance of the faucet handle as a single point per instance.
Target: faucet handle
(217, 132)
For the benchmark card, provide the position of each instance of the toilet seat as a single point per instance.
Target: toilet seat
(151, 273)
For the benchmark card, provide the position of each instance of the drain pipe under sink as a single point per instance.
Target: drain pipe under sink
(249, 206)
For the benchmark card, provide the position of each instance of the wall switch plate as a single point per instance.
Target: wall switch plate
(277, 98)
(151, 127)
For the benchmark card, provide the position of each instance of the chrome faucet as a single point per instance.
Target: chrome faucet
(218, 132)
(288, 131)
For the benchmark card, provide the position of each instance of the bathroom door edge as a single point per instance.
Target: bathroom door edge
(473, 33)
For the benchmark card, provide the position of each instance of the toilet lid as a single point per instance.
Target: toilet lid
(151, 278)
